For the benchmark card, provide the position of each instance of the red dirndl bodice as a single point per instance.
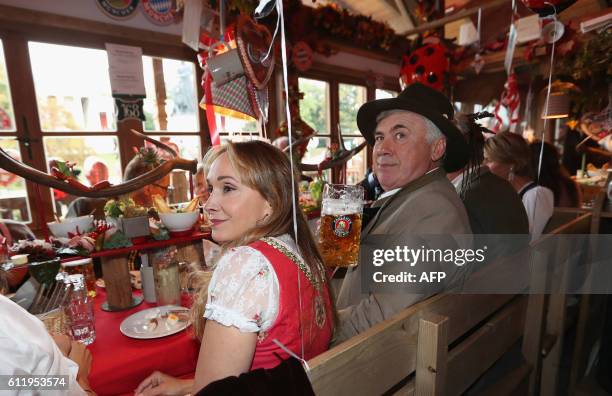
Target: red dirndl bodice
(312, 323)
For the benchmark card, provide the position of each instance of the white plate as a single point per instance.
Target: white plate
(142, 324)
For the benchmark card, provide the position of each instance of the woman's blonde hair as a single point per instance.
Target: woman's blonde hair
(510, 148)
(267, 170)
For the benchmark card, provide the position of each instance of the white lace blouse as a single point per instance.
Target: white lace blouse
(244, 291)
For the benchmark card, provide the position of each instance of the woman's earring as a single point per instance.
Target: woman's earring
(262, 220)
(511, 175)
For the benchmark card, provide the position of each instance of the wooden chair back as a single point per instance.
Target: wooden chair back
(442, 345)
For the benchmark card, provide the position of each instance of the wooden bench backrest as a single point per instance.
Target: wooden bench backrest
(376, 360)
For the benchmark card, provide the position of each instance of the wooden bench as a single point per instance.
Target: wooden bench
(442, 345)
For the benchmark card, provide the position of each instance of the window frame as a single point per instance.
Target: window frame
(15, 35)
(335, 76)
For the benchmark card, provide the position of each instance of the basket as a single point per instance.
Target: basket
(55, 321)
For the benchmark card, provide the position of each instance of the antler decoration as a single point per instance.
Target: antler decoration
(340, 157)
(155, 142)
(77, 189)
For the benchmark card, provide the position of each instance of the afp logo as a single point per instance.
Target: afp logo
(158, 11)
(118, 9)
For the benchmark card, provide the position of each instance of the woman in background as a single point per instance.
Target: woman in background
(553, 175)
(508, 156)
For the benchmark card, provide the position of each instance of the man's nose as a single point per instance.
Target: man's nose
(383, 147)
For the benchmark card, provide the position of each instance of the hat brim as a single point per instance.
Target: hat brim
(457, 151)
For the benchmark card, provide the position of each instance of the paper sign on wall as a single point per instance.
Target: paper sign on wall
(125, 70)
(468, 34)
(192, 18)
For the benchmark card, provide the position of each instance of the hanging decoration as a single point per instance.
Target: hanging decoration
(236, 98)
(553, 32)
(559, 99)
(428, 64)
(551, 68)
(254, 41)
(302, 132)
(478, 63)
(207, 42)
(547, 7)
(301, 56)
(510, 99)
(316, 25)
(425, 10)
(236, 77)
(362, 31)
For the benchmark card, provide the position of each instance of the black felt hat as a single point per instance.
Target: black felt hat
(429, 103)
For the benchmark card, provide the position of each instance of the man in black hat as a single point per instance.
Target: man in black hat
(415, 144)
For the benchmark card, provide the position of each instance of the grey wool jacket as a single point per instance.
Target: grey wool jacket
(426, 207)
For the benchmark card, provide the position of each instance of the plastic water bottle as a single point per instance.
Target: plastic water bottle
(80, 312)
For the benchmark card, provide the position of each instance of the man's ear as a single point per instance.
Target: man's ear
(438, 149)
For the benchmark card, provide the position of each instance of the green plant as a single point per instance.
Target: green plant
(589, 67)
(123, 208)
(150, 156)
(593, 61)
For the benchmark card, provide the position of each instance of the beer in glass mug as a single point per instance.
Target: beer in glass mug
(340, 228)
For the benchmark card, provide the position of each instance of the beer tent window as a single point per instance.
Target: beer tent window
(233, 129)
(385, 94)
(350, 98)
(76, 112)
(171, 106)
(331, 102)
(315, 111)
(13, 194)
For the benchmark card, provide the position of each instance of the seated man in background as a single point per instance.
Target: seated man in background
(492, 204)
(26, 348)
(139, 165)
(415, 144)
(96, 171)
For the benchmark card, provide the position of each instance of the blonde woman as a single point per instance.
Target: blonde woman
(508, 156)
(266, 286)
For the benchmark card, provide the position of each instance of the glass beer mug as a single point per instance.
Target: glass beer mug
(340, 228)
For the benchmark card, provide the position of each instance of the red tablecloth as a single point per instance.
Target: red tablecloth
(120, 363)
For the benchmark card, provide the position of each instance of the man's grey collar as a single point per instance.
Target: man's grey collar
(395, 190)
